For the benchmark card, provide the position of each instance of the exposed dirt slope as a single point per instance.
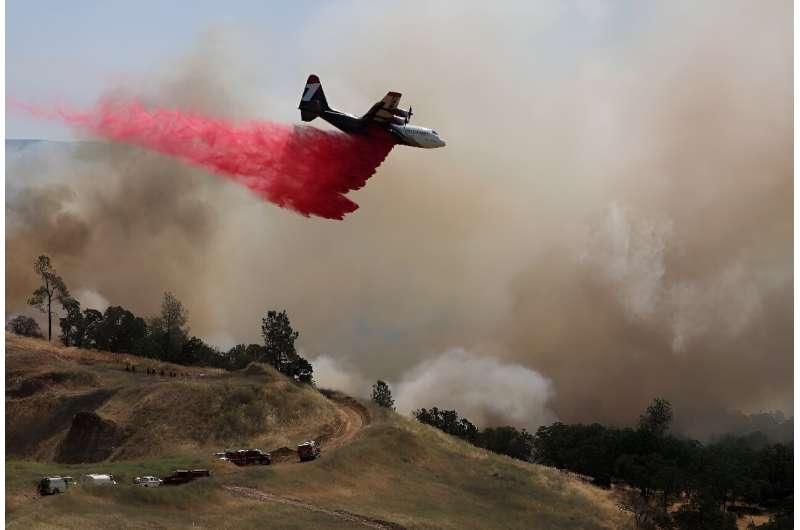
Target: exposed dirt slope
(90, 439)
(351, 417)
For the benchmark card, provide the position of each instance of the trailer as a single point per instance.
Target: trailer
(98, 480)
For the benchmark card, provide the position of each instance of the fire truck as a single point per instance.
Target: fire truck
(308, 451)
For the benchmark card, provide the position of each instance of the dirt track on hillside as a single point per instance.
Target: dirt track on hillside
(339, 514)
(352, 416)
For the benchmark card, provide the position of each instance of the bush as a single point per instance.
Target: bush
(447, 421)
(508, 441)
(25, 326)
(244, 414)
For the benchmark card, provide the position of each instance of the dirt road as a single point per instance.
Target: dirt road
(353, 417)
(339, 514)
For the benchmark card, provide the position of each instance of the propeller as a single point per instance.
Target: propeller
(408, 116)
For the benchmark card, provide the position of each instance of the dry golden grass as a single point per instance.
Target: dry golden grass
(207, 410)
(394, 469)
(31, 348)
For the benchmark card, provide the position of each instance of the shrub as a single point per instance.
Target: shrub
(25, 326)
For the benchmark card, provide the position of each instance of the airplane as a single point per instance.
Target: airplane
(384, 115)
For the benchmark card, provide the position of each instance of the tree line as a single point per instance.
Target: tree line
(506, 440)
(670, 482)
(710, 481)
(165, 337)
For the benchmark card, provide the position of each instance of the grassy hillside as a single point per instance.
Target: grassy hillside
(389, 473)
(201, 410)
(411, 474)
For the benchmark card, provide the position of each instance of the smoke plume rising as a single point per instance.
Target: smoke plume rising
(613, 210)
(458, 380)
(482, 389)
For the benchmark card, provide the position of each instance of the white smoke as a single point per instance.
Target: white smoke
(632, 253)
(91, 299)
(328, 373)
(222, 340)
(482, 389)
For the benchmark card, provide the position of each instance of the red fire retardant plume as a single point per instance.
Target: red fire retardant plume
(297, 167)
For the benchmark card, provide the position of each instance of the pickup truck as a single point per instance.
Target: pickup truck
(245, 457)
(182, 476)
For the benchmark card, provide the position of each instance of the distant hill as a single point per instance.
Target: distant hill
(32, 162)
(22, 145)
(22, 148)
(17, 144)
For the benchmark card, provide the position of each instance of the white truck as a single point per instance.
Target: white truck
(98, 480)
(147, 482)
(53, 485)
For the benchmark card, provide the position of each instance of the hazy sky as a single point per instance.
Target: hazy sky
(71, 52)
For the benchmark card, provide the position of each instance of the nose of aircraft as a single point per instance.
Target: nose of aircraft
(442, 143)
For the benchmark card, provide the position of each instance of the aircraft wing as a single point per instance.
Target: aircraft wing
(386, 109)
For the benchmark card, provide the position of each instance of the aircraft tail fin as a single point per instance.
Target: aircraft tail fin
(313, 101)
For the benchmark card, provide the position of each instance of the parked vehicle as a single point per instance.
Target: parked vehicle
(224, 455)
(246, 457)
(98, 480)
(147, 482)
(53, 485)
(182, 476)
(308, 451)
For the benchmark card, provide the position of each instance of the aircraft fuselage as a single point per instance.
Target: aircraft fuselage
(383, 118)
(404, 134)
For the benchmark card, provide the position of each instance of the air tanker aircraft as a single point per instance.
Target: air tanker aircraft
(384, 115)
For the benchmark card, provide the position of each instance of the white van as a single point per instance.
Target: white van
(53, 485)
(98, 480)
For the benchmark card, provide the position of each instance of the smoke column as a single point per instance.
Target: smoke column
(301, 168)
